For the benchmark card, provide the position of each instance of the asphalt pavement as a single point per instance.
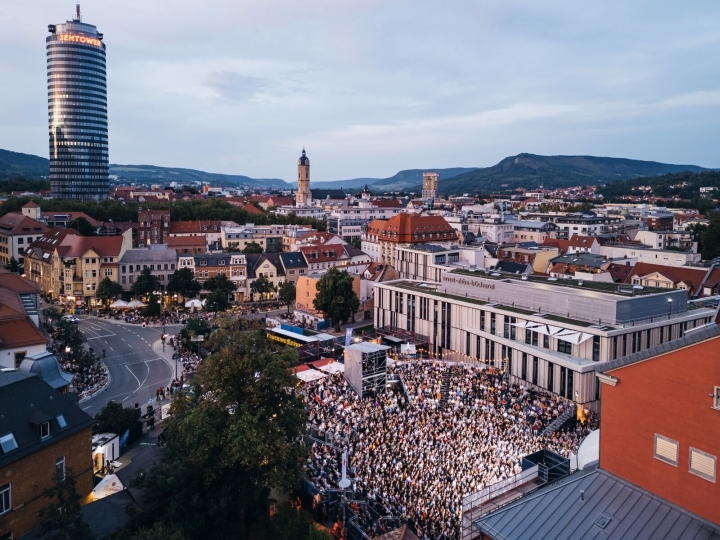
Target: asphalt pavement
(136, 369)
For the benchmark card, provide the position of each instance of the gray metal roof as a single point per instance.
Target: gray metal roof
(557, 512)
(691, 337)
(532, 224)
(48, 368)
(149, 255)
(293, 259)
(26, 399)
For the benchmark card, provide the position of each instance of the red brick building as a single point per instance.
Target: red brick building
(153, 226)
(42, 434)
(660, 425)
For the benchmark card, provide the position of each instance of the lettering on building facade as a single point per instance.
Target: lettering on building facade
(73, 38)
(473, 283)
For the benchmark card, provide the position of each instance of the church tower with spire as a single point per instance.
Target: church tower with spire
(303, 196)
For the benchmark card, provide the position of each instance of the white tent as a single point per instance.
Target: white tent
(310, 375)
(119, 304)
(193, 303)
(333, 367)
(135, 304)
(107, 486)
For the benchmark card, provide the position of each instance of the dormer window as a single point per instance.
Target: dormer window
(61, 421)
(44, 430)
(8, 443)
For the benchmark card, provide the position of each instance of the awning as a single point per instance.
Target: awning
(573, 337)
(310, 375)
(107, 486)
(334, 367)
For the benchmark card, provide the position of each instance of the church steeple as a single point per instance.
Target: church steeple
(303, 196)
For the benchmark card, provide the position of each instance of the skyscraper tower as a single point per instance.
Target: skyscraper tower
(430, 185)
(77, 111)
(303, 196)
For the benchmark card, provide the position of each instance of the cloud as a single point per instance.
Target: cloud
(236, 87)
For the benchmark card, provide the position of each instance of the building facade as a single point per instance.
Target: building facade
(18, 231)
(548, 333)
(43, 434)
(430, 185)
(153, 226)
(77, 103)
(161, 262)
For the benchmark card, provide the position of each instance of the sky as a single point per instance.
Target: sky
(372, 87)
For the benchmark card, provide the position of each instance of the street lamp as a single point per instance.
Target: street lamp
(669, 307)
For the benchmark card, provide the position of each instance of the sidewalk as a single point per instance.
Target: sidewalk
(167, 355)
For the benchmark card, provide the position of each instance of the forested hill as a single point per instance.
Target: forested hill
(532, 171)
(685, 185)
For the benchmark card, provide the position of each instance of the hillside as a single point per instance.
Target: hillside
(399, 181)
(165, 175)
(684, 185)
(531, 171)
(16, 165)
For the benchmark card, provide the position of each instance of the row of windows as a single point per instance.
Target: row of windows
(129, 268)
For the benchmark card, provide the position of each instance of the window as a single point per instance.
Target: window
(8, 443)
(535, 371)
(44, 430)
(60, 468)
(551, 377)
(716, 399)
(108, 272)
(666, 450)
(546, 341)
(5, 499)
(702, 464)
(564, 346)
(596, 349)
(87, 273)
(61, 421)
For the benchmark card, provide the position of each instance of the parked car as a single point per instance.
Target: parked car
(71, 318)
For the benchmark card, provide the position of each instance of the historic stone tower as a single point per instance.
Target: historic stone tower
(303, 197)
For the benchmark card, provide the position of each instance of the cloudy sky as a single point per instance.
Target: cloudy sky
(371, 87)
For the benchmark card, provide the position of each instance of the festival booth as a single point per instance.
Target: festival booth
(307, 374)
(328, 365)
(107, 486)
(311, 348)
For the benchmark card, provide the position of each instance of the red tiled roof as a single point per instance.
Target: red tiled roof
(387, 203)
(251, 209)
(581, 241)
(407, 228)
(186, 241)
(31, 204)
(18, 284)
(14, 224)
(329, 253)
(199, 226)
(104, 246)
(677, 274)
(20, 332)
(619, 272)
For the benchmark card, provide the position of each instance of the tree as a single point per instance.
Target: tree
(287, 294)
(357, 243)
(220, 283)
(152, 307)
(13, 265)
(335, 297)
(232, 441)
(252, 247)
(262, 286)
(145, 283)
(114, 418)
(62, 517)
(216, 301)
(183, 282)
(288, 523)
(69, 335)
(710, 238)
(82, 226)
(194, 328)
(108, 289)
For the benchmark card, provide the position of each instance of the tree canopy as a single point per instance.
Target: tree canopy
(262, 287)
(709, 238)
(145, 283)
(114, 418)
(108, 289)
(183, 282)
(252, 247)
(335, 297)
(63, 518)
(287, 294)
(230, 442)
(220, 283)
(216, 301)
(13, 265)
(82, 226)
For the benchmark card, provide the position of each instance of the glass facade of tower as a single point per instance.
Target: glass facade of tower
(77, 112)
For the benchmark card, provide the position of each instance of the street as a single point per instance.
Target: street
(136, 371)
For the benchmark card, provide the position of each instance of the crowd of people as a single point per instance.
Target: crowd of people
(418, 450)
(88, 380)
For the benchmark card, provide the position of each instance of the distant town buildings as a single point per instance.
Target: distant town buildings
(77, 103)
